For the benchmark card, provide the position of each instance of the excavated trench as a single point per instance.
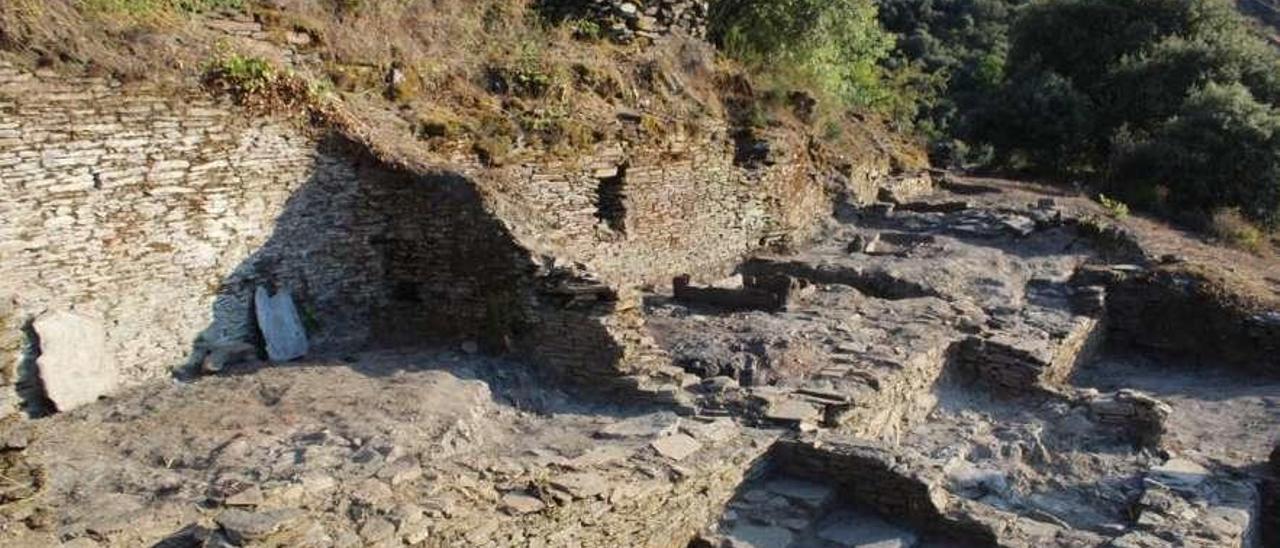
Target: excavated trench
(1000, 403)
(850, 394)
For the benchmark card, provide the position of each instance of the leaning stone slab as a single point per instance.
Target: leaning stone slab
(74, 365)
(281, 325)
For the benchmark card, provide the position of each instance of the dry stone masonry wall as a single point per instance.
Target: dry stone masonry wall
(156, 215)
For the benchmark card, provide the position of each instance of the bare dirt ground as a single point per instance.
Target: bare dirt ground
(1219, 415)
(386, 449)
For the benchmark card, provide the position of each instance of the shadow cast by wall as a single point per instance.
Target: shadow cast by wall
(378, 257)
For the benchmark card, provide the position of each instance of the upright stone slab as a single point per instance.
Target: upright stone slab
(74, 365)
(281, 325)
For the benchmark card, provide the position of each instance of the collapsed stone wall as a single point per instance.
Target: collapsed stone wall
(155, 214)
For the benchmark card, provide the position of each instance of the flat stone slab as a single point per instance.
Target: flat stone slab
(281, 325)
(792, 411)
(242, 526)
(853, 529)
(642, 427)
(74, 364)
(676, 447)
(1179, 473)
(519, 504)
(581, 485)
(807, 493)
(759, 536)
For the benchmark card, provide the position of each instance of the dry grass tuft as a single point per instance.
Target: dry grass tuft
(425, 77)
(1232, 228)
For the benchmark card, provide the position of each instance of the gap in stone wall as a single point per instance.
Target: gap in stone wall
(611, 207)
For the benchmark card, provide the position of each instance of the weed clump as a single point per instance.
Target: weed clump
(1232, 228)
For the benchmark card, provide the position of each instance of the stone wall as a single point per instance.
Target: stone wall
(158, 212)
(1178, 313)
(900, 487)
(680, 208)
(625, 20)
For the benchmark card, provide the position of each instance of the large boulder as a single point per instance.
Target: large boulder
(75, 367)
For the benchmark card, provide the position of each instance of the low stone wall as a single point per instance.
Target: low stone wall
(1172, 312)
(867, 473)
(659, 512)
(897, 487)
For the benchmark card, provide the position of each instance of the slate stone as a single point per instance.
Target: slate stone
(759, 536)
(518, 504)
(645, 426)
(852, 529)
(74, 365)
(1179, 473)
(807, 493)
(281, 325)
(581, 485)
(792, 411)
(243, 526)
(676, 447)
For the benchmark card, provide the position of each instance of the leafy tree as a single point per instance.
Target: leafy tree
(1041, 121)
(1222, 149)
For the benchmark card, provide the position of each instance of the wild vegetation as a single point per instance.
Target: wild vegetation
(1170, 105)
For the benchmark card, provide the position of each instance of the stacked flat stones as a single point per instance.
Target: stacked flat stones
(628, 20)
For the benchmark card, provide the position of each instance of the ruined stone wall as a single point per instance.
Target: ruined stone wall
(644, 215)
(156, 214)
(624, 20)
(1183, 315)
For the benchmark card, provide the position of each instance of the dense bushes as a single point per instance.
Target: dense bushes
(963, 44)
(1173, 103)
(833, 47)
(1169, 104)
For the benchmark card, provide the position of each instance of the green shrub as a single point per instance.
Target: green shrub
(240, 74)
(1222, 149)
(524, 72)
(962, 44)
(1115, 208)
(1172, 102)
(1045, 120)
(832, 46)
